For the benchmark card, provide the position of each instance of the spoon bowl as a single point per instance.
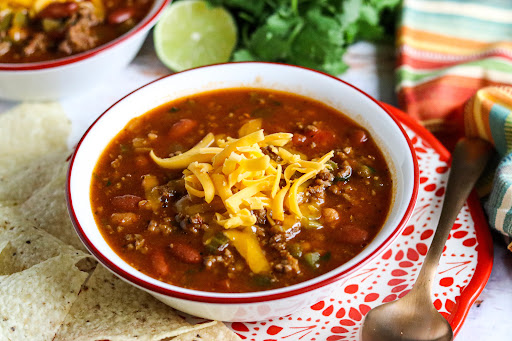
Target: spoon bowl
(413, 317)
(416, 321)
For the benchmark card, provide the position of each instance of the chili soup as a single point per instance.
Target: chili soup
(34, 31)
(240, 190)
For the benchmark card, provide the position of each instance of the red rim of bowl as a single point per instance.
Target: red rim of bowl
(263, 296)
(141, 26)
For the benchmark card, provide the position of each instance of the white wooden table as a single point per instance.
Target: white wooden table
(372, 71)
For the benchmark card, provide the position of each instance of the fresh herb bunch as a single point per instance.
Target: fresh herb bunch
(311, 33)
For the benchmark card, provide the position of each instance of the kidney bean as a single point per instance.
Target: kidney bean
(120, 15)
(352, 235)
(159, 263)
(182, 128)
(358, 136)
(185, 253)
(58, 10)
(126, 202)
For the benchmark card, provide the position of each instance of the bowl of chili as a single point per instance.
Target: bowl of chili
(242, 191)
(53, 49)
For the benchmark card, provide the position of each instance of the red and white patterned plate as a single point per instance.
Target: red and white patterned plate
(462, 274)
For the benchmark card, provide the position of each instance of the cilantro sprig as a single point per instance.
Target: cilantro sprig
(310, 33)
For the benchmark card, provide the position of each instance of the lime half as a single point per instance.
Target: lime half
(191, 33)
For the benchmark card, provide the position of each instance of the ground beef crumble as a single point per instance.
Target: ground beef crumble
(79, 35)
(170, 191)
(323, 180)
(5, 46)
(287, 263)
(38, 44)
(273, 156)
(191, 224)
(225, 258)
(261, 216)
(165, 227)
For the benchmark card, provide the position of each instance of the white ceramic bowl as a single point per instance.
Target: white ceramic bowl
(59, 78)
(255, 305)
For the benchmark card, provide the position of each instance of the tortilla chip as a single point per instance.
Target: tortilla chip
(46, 209)
(34, 302)
(110, 309)
(19, 184)
(41, 269)
(9, 216)
(214, 333)
(28, 246)
(30, 130)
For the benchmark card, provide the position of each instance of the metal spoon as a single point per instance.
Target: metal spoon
(413, 317)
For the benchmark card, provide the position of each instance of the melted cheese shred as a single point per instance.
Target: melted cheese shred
(244, 177)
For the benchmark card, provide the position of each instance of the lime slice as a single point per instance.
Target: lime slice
(191, 33)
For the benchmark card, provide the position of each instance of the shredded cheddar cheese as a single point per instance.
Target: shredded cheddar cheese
(246, 243)
(244, 177)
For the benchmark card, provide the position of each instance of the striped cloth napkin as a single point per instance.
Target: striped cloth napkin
(488, 115)
(448, 51)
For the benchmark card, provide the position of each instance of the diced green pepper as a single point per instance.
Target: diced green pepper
(332, 165)
(20, 19)
(295, 250)
(365, 171)
(217, 243)
(311, 224)
(50, 25)
(5, 20)
(341, 178)
(262, 281)
(312, 259)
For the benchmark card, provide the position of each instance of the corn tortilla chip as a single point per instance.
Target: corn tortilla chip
(41, 266)
(27, 246)
(34, 302)
(110, 309)
(10, 216)
(214, 333)
(30, 130)
(29, 176)
(46, 209)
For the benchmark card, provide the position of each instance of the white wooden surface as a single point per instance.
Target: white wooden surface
(372, 71)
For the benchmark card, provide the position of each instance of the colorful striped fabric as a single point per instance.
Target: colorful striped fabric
(447, 51)
(488, 115)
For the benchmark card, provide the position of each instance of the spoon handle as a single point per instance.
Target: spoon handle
(469, 160)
